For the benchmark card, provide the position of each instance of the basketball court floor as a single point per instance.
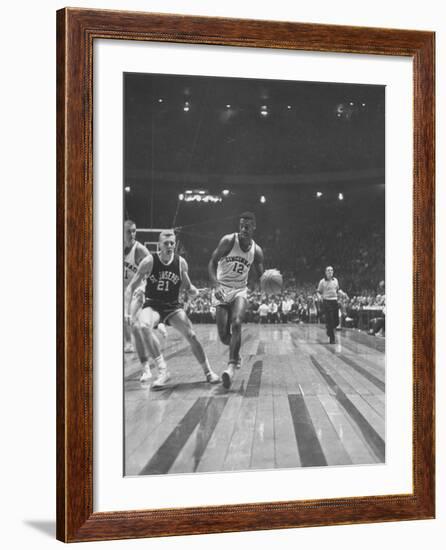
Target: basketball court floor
(296, 402)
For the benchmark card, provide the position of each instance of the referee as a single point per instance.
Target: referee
(328, 290)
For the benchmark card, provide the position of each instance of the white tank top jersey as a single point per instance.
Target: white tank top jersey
(233, 269)
(130, 266)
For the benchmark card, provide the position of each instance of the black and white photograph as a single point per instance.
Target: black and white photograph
(236, 211)
(254, 274)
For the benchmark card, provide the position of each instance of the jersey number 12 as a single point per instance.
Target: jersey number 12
(238, 268)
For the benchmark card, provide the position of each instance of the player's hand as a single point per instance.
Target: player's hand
(193, 291)
(219, 294)
(138, 294)
(128, 319)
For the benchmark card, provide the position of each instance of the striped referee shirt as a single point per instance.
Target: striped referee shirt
(328, 289)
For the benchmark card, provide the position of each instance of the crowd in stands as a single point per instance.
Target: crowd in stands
(301, 246)
(295, 305)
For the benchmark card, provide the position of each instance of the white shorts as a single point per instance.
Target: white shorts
(229, 295)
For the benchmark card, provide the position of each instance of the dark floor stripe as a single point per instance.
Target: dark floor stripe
(364, 372)
(371, 436)
(165, 456)
(308, 445)
(207, 425)
(373, 342)
(253, 385)
(352, 347)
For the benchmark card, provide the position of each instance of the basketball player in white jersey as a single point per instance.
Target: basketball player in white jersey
(165, 274)
(134, 252)
(229, 269)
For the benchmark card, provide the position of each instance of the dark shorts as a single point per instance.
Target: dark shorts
(164, 310)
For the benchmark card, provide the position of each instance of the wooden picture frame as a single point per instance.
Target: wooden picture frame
(76, 31)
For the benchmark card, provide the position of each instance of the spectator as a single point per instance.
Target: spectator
(273, 312)
(287, 305)
(263, 313)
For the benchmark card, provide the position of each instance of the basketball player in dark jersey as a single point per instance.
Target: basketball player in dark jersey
(229, 269)
(166, 272)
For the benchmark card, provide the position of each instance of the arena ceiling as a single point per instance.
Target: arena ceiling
(220, 132)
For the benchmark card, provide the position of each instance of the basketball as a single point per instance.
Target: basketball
(271, 281)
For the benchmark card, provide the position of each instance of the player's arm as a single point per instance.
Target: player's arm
(223, 248)
(141, 253)
(342, 294)
(258, 267)
(144, 270)
(186, 283)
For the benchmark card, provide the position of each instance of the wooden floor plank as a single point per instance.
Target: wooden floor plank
(373, 343)
(238, 455)
(190, 455)
(332, 446)
(352, 439)
(374, 439)
(291, 376)
(286, 452)
(145, 419)
(373, 358)
(330, 364)
(319, 386)
(372, 417)
(301, 373)
(309, 446)
(152, 440)
(217, 447)
(377, 403)
(359, 369)
(262, 455)
(280, 369)
(343, 372)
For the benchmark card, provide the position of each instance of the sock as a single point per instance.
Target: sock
(160, 363)
(206, 366)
